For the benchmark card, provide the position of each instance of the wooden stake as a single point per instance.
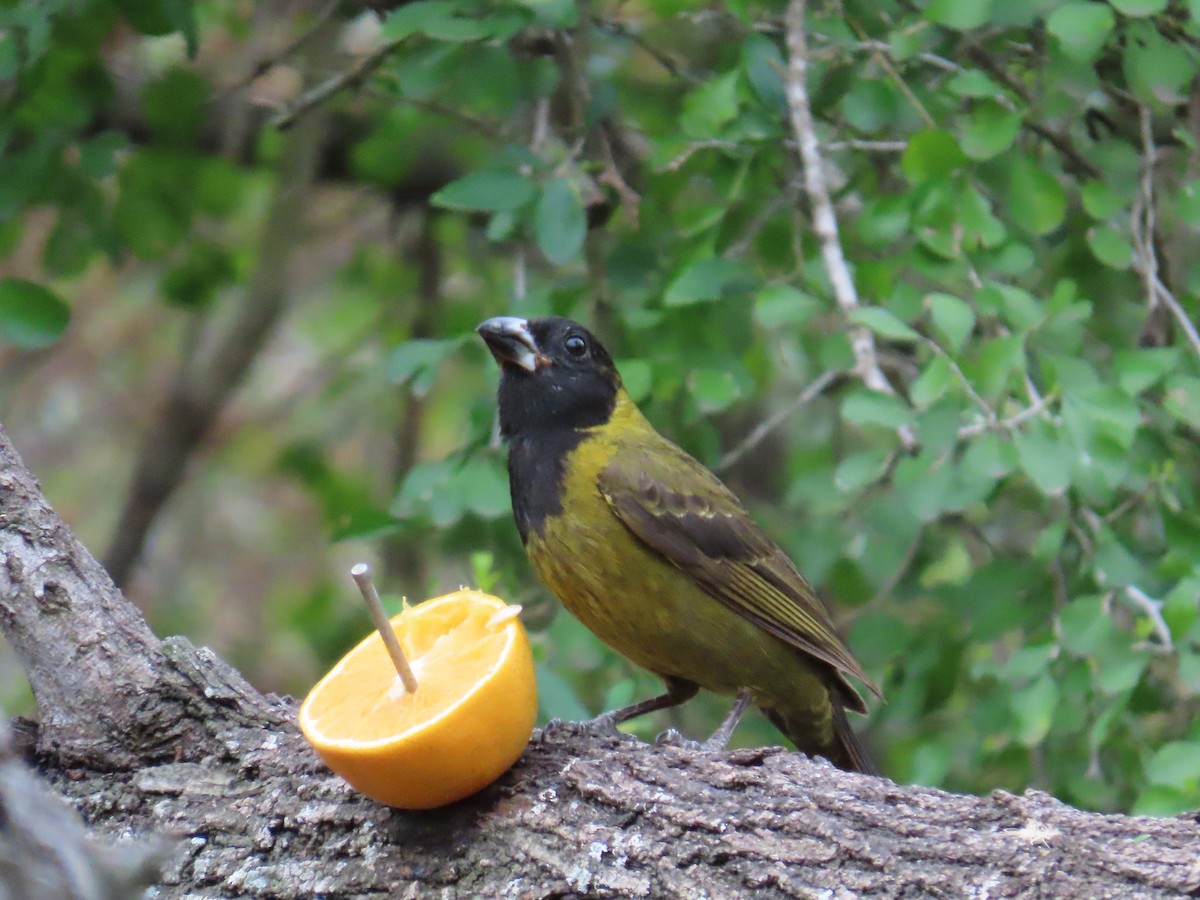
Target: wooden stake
(361, 574)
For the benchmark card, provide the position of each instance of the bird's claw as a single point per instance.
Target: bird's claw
(672, 738)
(605, 723)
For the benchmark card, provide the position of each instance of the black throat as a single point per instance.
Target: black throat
(537, 474)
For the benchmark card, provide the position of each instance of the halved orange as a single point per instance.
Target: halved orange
(467, 723)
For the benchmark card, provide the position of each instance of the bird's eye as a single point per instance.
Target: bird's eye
(576, 345)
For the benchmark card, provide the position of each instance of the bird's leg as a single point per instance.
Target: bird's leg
(678, 691)
(720, 738)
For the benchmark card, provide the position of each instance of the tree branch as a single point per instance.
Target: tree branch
(1142, 229)
(581, 814)
(763, 429)
(824, 219)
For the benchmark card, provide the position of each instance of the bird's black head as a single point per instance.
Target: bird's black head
(554, 374)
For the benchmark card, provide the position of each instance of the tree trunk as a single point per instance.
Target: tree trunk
(160, 738)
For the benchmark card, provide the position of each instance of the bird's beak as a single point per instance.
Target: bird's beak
(511, 342)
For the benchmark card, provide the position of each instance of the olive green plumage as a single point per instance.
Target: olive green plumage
(652, 552)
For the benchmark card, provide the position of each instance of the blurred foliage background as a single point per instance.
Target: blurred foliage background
(244, 245)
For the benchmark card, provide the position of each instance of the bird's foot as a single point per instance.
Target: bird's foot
(672, 738)
(719, 741)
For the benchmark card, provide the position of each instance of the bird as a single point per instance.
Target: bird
(655, 555)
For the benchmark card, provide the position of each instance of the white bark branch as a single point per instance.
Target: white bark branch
(1145, 257)
(824, 219)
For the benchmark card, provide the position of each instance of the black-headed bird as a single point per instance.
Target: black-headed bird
(654, 554)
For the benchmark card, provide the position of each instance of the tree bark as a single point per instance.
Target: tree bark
(148, 737)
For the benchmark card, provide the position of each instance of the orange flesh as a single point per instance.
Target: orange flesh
(450, 639)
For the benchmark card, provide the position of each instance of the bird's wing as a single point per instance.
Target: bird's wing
(684, 512)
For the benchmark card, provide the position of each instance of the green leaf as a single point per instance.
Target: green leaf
(713, 390)
(98, 156)
(560, 222)
(952, 317)
(1084, 626)
(870, 105)
(1045, 459)
(416, 362)
(1175, 764)
(710, 107)
(932, 383)
(997, 361)
(1158, 70)
(884, 220)
(778, 305)
(1110, 246)
(991, 129)
(1119, 666)
(1081, 28)
(864, 407)
(1136, 8)
(952, 567)
(706, 280)
(1180, 610)
(161, 17)
(764, 64)
(884, 323)
(557, 13)
(1019, 308)
(961, 15)
(1158, 800)
(1187, 204)
(1028, 662)
(196, 279)
(1036, 200)
(931, 154)
(1100, 200)
(486, 191)
(858, 470)
(989, 457)
(973, 83)
(31, 316)
(1182, 399)
(1114, 565)
(451, 21)
(638, 376)
(175, 105)
(981, 229)
(1034, 707)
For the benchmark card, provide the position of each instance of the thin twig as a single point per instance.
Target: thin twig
(335, 84)
(1143, 228)
(1058, 141)
(894, 74)
(932, 59)
(1153, 610)
(265, 65)
(669, 65)
(487, 129)
(815, 388)
(824, 220)
(869, 146)
(989, 414)
(1012, 423)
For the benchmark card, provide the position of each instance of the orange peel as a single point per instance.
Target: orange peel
(468, 721)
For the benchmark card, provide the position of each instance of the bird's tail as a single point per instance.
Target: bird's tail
(844, 750)
(850, 746)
